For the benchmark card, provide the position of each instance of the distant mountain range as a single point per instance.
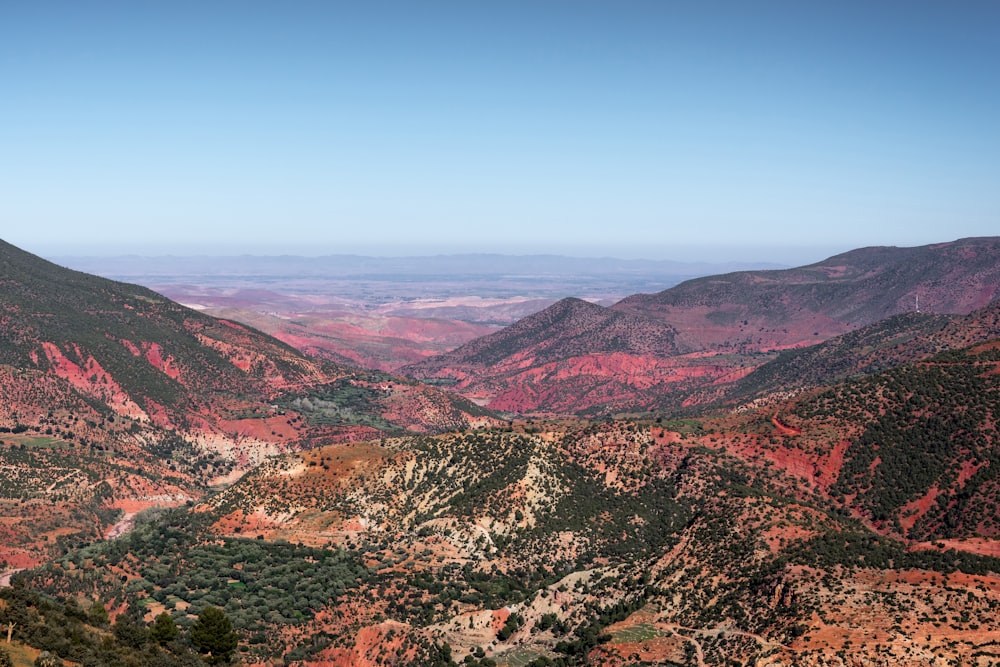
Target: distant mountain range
(709, 331)
(360, 267)
(400, 283)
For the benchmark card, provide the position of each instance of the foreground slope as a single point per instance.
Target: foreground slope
(116, 398)
(857, 521)
(925, 461)
(709, 332)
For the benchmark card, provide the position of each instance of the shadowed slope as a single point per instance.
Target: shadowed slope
(881, 346)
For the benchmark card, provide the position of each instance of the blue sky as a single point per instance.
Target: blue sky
(679, 130)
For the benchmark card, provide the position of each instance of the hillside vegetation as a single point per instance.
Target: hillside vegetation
(117, 399)
(687, 345)
(845, 513)
(789, 539)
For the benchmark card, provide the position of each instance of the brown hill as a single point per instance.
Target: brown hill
(568, 328)
(151, 360)
(718, 328)
(925, 462)
(911, 450)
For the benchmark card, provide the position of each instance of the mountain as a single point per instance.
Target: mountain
(844, 291)
(926, 459)
(116, 398)
(549, 353)
(884, 345)
(154, 361)
(722, 327)
(912, 450)
(860, 520)
(817, 526)
(569, 328)
(145, 357)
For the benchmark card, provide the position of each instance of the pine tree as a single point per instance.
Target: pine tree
(213, 634)
(130, 633)
(164, 629)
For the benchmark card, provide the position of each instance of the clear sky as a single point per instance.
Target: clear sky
(656, 129)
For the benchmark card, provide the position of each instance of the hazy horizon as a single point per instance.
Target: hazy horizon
(681, 255)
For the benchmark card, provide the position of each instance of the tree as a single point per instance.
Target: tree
(5, 660)
(213, 634)
(129, 633)
(99, 615)
(164, 629)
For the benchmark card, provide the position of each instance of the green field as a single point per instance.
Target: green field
(38, 442)
(519, 657)
(636, 633)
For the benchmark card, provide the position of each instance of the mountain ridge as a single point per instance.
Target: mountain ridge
(724, 326)
(899, 339)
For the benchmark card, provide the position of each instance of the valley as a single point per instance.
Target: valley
(766, 467)
(386, 312)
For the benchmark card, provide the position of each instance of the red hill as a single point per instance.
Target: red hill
(116, 398)
(704, 334)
